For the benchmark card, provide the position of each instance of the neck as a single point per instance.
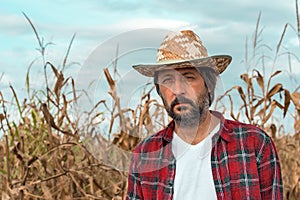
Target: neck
(195, 134)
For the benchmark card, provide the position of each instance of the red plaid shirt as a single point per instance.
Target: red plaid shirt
(244, 163)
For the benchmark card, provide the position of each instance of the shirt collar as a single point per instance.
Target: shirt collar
(225, 130)
(168, 132)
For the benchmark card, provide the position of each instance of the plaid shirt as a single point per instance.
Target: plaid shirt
(244, 163)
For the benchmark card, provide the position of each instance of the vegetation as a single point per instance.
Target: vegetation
(49, 152)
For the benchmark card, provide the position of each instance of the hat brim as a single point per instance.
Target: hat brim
(219, 63)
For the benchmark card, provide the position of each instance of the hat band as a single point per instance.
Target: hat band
(172, 61)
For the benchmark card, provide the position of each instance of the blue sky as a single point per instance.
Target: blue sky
(222, 25)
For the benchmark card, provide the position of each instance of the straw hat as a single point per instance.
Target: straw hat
(180, 50)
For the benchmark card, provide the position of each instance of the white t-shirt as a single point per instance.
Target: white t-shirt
(193, 178)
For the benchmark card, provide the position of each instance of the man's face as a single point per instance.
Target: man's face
(184, 95)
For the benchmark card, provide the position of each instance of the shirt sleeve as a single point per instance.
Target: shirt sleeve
(134, 190)
(271, 186)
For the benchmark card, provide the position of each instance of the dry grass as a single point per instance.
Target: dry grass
(48, 155)
(44, 156)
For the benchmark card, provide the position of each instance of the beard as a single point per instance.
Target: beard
(188, 116)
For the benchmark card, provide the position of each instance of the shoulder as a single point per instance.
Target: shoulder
(238, 132)
(153, 153)
(250, 139)
(246, 132)
(156, 141)
(150, 143)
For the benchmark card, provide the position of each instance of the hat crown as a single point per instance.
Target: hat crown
(183, 49)
(183, 45)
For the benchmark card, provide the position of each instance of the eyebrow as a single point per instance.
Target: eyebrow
(188, 73)
(166, 75)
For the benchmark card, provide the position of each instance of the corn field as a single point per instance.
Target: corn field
(43, 154)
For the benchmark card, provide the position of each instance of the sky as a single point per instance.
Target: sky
(101, 26)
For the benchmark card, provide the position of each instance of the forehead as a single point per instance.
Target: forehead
(191, 70)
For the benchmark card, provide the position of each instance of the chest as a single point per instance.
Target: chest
(235, 171)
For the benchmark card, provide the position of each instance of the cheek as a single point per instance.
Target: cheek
(166, 93)
(199, 88)
(164, 90)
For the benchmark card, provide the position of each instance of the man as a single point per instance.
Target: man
(199, 155)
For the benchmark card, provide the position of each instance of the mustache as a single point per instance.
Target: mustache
(179, 100)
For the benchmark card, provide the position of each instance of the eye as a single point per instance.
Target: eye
(189, 78)
(167, 80)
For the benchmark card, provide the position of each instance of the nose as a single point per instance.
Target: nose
(179, 86)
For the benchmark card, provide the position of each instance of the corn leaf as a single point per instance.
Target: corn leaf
(274, 90)
(287, 101)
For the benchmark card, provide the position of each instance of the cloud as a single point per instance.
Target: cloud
(138, 23)
(13, 24)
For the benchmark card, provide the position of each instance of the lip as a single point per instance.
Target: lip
(181, 106)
